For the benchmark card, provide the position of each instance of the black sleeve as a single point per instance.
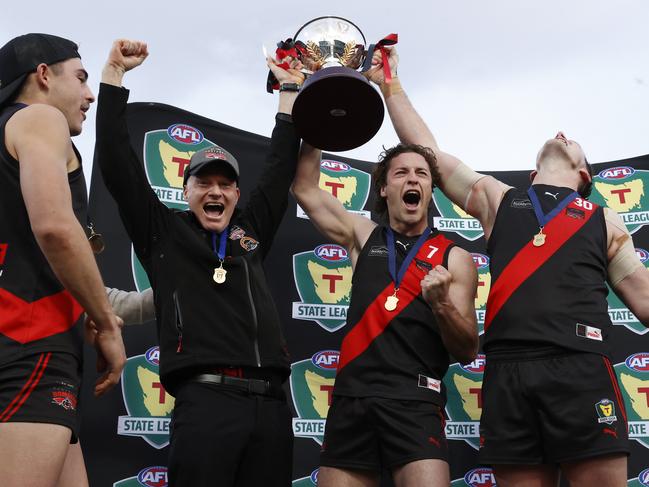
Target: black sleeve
(268, 201)
(122, 171)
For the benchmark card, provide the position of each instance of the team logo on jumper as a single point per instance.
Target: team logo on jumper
(625, 190)
(633, 376)
(620, 315)
(642, 480)
(454, 219)
(310, 481)
(464, 401)
(312, 385)
(349, 185)
(323, 278)
(64, 395)
(484, 284)
(477, 477)
(606, 411)
(147, 477)
(147, 403)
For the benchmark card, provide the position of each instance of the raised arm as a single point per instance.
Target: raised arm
(269, 199)
(451, 295)
(324, 210)
(628, 277)
(120, 166)
(476, 193)
(39, 137)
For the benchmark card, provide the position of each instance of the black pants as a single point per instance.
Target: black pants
(225, 437)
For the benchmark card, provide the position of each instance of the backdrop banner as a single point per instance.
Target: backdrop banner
(125, 434)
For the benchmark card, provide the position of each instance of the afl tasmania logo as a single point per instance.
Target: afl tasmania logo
(638, 362)
(480, 260)
(642, 254)
(185, 134)
(330, 252)
(147, 477)
(326, 359)
(152, 356)
(480, 477)
(334, 166)
(477, 366)
(620, 172)
(643, 477)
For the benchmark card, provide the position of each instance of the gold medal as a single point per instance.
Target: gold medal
(391, 302)
(219, 274)
(539, 239)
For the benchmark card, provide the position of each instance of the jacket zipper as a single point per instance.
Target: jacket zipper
(254, 313)
(179, 323)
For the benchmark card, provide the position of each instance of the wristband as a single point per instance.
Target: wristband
(289, 87)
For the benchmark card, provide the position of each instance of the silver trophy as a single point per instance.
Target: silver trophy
(337, 108)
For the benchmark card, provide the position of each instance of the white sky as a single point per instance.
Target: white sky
(493, 80)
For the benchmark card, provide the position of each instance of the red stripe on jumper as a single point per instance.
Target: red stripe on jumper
(26, 322)
(559, 230)
(27, 389)
(616, 389)
(376, 318)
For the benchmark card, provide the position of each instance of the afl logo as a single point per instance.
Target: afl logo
(334, 166)
(638, 361)
(152, 356)
(620, 172)
(642, 254)
(477, 366)
(480, 477)
(185, 134)
(481, 261)
(314, 476)
(643, 477)
(153, 477)
(326, 359)
(330, 252)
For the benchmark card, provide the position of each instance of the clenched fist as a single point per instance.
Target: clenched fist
(435, 286)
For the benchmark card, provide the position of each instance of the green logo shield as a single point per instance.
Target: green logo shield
(464, 401)
(323, 278)
(620, 315)
(633, 376)
(453, 219)
(312, 384)
(147, 403)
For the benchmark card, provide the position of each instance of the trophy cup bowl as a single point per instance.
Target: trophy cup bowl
(337, 108)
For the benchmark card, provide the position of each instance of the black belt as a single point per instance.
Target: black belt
(251, 386)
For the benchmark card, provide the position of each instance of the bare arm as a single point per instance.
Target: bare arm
(475, 193)
(40, 138)
(451, 295)
(627, 275)
(324, 210)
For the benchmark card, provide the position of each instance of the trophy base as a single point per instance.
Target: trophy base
(337, 110)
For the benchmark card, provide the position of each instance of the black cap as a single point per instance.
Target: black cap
(21, 55)
(207, 156)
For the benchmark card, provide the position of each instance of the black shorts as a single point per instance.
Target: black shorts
(548, 410)
(42, 388)
(372, 433)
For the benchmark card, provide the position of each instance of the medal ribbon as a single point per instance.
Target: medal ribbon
(223, 238)
(538, 211)
(392, 258)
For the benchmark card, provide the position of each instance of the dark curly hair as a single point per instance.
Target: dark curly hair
(380, 174)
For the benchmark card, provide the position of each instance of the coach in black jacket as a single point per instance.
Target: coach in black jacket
(223, 356)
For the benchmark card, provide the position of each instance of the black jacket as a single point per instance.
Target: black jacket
(201, 324)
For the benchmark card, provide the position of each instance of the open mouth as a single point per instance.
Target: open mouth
(411, 198)
(213, 209)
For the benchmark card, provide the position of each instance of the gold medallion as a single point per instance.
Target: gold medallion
(391, 302)
(219, 275)
(539, 239)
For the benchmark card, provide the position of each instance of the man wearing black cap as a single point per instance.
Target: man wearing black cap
(222, 354)
(48, 275)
